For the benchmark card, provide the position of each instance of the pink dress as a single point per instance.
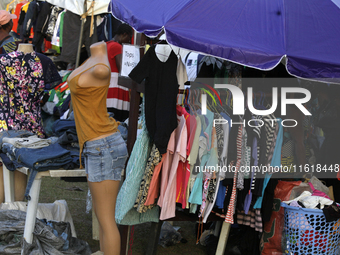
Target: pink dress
(179, 154)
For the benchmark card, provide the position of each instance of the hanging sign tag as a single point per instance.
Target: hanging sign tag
(130, 58)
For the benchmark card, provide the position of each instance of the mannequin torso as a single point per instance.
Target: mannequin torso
(96, 70)
(25, 48)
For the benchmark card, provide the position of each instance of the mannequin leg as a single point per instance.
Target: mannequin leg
(104, 196)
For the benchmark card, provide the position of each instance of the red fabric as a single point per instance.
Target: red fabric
(119, 94)
(60, 85)
(273, 229)
(48, 45)
(180, 183)
(132, 38)
(17, 12)
(113, 49)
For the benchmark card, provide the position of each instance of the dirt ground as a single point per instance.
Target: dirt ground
(75, 194)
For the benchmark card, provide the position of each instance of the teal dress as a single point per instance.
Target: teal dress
(197, 191)
(126, 214)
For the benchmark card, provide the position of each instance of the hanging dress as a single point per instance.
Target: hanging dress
(126, 214)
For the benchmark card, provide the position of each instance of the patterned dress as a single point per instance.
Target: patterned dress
(23, 79)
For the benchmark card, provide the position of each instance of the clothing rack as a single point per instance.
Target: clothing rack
(155, 228)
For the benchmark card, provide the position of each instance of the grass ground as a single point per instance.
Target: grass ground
(75, 195)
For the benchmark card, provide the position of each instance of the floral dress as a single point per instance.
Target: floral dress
(23, 79)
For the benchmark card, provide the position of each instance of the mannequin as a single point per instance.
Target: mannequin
(99, 141)
(40, 73)
(25, 48)
(101, 72)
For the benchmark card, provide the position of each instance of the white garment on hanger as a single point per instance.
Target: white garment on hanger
(56, 36)
(163, 52)
(181, 74)
(190, 63)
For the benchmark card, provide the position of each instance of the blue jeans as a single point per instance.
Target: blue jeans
(47, 158)
(60, 126)
(105, 158)
(11, 165)
(35, 158)
(123, 129)
(68, 137)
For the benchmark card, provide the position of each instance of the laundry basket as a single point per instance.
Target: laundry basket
(308, 233)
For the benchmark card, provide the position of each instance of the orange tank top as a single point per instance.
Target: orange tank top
(90, 112)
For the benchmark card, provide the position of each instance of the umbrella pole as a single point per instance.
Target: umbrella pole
(222, 242)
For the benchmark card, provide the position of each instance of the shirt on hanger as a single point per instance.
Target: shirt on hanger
(161, 88)
(22, 86)
(169, 201)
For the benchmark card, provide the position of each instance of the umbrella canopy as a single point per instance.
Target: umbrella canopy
(77, 6)
(255, 33)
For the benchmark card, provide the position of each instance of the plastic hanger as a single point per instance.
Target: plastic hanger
(212, 105)
(213, 90)
(208, 92)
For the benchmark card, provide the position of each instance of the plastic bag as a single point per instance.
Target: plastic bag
(318, 185)
(298, 190)
(56, 211)
(271, 240)
(49, 237)
(169, 235)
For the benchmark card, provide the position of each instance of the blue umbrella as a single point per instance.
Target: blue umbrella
(255, 33)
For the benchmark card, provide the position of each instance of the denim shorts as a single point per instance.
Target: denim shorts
(105, 158)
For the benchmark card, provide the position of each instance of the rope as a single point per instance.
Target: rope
(92, 16)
